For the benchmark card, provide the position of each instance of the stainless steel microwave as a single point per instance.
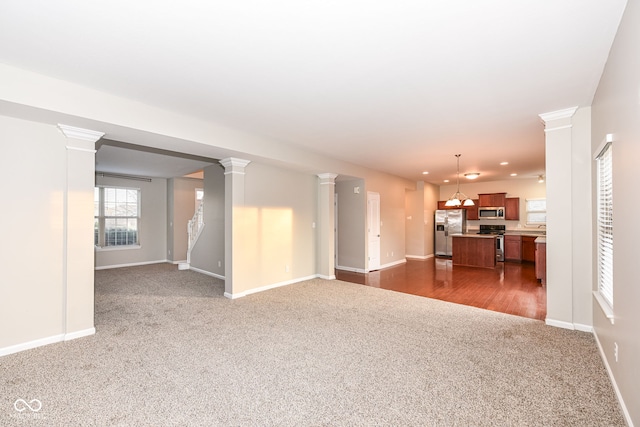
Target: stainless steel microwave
(490, 213)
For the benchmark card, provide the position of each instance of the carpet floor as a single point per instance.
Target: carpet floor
(170, 350)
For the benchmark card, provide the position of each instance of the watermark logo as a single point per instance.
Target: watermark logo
(28, 409)
(21, 405)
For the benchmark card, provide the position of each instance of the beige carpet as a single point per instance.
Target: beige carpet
(171, 350)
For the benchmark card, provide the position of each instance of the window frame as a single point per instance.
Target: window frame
(101, 218)
(535, 211)
(604, 294)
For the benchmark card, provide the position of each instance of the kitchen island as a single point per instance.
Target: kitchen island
(474, 250)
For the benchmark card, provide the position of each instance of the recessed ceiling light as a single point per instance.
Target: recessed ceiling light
(425, 173)
(514, 174)
(504, 163)
(446, 180)
(471, 175)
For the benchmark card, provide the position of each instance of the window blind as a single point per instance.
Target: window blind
(604, 163)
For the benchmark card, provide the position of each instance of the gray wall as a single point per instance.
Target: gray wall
(351, 226)
(180, 209)
(616, 111)
(153, 223)
(208, 252)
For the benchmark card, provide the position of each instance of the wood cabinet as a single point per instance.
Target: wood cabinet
(541, 262)
(512, 208)
(441, 205)
(474, 251)
(512, 248)
(492, 199)
(472, 211)
(528, 248)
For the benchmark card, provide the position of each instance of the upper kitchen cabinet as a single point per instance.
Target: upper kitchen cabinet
(492, 200)
(512, 208)
(472, 211)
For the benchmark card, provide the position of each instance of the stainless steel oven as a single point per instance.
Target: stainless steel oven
(498, 231)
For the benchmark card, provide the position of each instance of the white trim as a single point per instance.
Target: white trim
(604, 305)
(31, 344)
(80, 133)
(116, 248)
(330, 277)
(560, 324)
(419, 257)
(132, 264)
(86, 150)
(625, 411)
(567, 113)
(393, 264)
(351, 269)
(234, 173)
(79, 334)
(558, 128)
(608, 139)
(583, 328)
(206, 273)
(178, 262)
(268, 287)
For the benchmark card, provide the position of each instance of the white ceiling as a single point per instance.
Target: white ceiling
(399, 86)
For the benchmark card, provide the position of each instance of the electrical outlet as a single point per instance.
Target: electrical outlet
(286, 268)
(615, 350)
(219, 264)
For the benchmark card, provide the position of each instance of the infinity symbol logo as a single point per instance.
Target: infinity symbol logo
(22, 405)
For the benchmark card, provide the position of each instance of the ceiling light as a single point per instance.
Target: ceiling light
(425, 173)
(540, 178)
(504, 163)
(458, 198)
(471, 175)
(446, 180)
(514, 174)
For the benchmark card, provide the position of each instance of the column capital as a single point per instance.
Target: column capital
(327, 178)
(234, 165)
(79, 133)
(556, 120)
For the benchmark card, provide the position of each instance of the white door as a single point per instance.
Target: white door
(373, 227)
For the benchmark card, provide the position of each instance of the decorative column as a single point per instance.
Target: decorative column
(78, 247)
(233, 204)
(325, 258)
(558, 148)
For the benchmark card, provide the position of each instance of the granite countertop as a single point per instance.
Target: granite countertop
(541, 239)
(476, 236)
(532, 233)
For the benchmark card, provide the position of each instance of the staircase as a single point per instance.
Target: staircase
(194, 229)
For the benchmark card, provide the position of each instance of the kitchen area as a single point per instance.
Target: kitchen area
(492, 231)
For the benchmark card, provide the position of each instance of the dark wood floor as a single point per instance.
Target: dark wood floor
(509, 288)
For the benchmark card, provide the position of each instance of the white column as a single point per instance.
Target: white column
(78, 270)
(325, 258)
(233, 204)
(558, 141)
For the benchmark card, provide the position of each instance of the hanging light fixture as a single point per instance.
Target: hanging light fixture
(458, 198)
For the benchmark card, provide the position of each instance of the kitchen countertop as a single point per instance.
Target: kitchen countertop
(541, 239)
(476, 236)
(532, 233)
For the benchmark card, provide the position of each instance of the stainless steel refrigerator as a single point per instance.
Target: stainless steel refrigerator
(448, 222)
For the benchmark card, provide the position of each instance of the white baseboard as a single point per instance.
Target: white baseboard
(79, 334)
(268, 287)
(353, 270)
(133, 264)
(568, 325)
(560, 324)
(322, 276)
(394, 263)
(31, 344)
(178, 262)
(625, 411)
(205, 272)
(420, 257)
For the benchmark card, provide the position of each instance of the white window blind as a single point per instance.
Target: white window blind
(536, 211)
(117, 216)
(604, 162)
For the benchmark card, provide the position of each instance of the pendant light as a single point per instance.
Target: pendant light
(458, 198)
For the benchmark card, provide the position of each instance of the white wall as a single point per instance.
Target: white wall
(616, 111)
(152, 227)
